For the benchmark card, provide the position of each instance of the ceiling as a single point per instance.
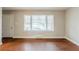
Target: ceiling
(35, 8)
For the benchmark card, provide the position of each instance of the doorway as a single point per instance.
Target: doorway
(7, 25)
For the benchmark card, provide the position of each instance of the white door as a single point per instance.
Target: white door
(8, 25)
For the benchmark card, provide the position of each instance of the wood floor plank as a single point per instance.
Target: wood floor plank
(38, 45)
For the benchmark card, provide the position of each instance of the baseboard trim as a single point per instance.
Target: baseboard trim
(69, 39)
(35, 37)
(41, 38)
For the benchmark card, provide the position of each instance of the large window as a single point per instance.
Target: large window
(38, 23)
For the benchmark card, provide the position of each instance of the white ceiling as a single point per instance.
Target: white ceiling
(35, 8)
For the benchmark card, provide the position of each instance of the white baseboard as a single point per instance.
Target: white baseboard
(34, 37)
(72, 41)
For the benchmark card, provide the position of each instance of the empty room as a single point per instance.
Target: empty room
(40, 29)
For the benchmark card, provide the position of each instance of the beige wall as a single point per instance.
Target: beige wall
(0, 26)
(72, 24)
(19, 20)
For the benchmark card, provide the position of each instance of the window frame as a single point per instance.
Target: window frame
(52, 30)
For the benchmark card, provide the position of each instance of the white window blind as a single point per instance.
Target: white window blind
(38, 23)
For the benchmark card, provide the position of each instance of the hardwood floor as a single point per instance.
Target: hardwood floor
(38, 45)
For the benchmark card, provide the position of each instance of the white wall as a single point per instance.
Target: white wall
(72, 25)
(0, 26)
(19, 20)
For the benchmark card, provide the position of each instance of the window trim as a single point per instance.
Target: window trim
(40, 30)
